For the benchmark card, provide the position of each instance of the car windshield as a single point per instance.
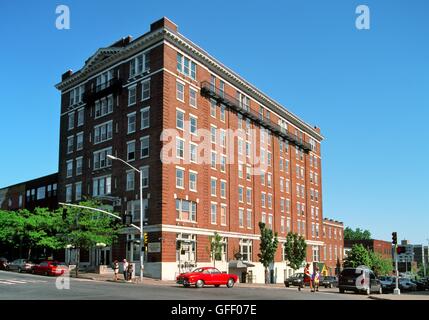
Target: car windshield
(198, 270)
(351, 272)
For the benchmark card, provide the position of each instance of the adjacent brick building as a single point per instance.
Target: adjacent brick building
(165, 105)
(384, 248)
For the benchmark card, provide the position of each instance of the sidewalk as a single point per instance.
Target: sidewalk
(421, 295)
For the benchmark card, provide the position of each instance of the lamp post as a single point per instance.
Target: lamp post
(141, 210)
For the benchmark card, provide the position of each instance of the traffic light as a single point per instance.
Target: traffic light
(394, 238)
(401, 249)
(145, 239)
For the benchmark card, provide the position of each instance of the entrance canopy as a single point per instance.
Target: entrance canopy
(238, 264)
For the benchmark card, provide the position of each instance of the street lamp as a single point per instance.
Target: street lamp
(141, 210)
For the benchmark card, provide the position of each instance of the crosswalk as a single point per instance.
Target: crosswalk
(9, 282)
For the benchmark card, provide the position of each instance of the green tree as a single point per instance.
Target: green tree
(84, 228)
(380, 265)
(295, 250)
(215, 247)
(358, 234)
(357, 256)
(11, 224)
(267, 247)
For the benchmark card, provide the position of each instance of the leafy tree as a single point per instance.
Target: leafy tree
(84, 228)
(11, 224)
(215, 247)
(380, 265)
(357, 256)
(358, 234)
(268, 247)
(295, 250)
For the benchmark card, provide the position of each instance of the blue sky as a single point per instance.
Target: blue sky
(366, 89)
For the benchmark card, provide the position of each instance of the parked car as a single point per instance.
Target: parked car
(359, 280)
(387, 283)
(49, 268)
(406, 284)
(3, 263)
(206, 276)
(295, 280)
(328, 281)
(20, 265)
(421, 285)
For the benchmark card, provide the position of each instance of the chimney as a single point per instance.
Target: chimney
(66, 75)
(163, 23)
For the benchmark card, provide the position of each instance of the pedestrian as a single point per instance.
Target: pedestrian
(116, 269)
(316, 279)
(125, 265)
(130, 272)
(307, 278)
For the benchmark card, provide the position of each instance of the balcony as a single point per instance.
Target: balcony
(221, 97)
(102, 90)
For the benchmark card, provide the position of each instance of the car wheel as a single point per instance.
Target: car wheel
(342, 290)
(46, 273)
(230, 283)
(19, 270)
(368, 291)
(380, 291)
(331, 285)
(199, 284)
(287, 285)
(186, 285)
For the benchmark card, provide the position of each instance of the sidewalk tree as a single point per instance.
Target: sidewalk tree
(381, 266)
(268, 247)
(215, 247)
(84, 228)
(295, 250)
(357, 256)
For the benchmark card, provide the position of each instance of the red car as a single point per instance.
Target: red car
(49, 268)
(206, 276)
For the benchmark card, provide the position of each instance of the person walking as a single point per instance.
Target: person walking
(116, 269)
(316, 279)
(125, 265)
(130, 272)
(307, 278)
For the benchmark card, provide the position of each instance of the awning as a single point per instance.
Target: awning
(239, 264)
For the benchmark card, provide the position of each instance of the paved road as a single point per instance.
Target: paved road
(34, 287)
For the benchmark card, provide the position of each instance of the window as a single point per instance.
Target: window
(103, 106)
(213, 186)
(223, 215)
(222, 163)
(270, 200)
(103, 132)
(213, 160)
(186, 66)
(79, 141)
(263, 199)
(213, 213)
(186, 210)
(193, 152)
(269, 179)
(192, 97)
(249, 219)
(240, 170)
(145, 89)
(41, 193)
(69, 168)
(240, 193)
(131, 122)
(130, 180)
(282, 184)
(193, 124)
(282, 205)
(180, 173)
(180, 91)
(145, 176)
(101, 160)
(221, 88)
(131, 150)
(71, 121)
(287, 205)
(79, 166)
(70, 144)
(69, 192)
(222, 138)
(132, 95)
(80, 117)
(144, 147)
(213, 108)
(193, 181)
(139, 64)
(180, 119)
(316, 253)
(213, 134)
(101, 186)
(249, 196)
(223, 189)
(248, 172)
(246, 249)
(241, 217)
(180, 148)
(270, 221)
(76, 95)
(145, 118)
(78, 191)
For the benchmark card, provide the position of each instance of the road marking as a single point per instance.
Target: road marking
(15, 281)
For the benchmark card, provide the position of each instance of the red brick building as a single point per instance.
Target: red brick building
(216, 154)
(333, 249)
(384, 248)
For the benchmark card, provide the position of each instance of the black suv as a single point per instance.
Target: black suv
(360, 279)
